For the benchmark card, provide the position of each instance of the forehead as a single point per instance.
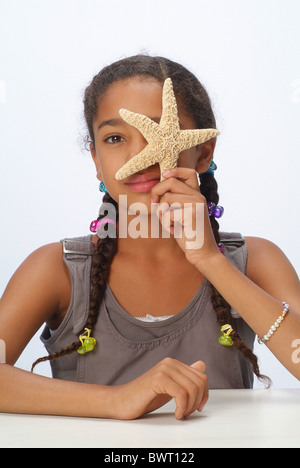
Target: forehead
(137, 94)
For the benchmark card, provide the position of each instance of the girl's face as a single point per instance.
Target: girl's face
(116, 141)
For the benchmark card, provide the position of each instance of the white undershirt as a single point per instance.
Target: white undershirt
(150, 318)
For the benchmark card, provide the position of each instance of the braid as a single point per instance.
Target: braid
(104, 253)
(209, 189)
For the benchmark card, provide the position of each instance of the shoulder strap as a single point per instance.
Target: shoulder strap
(236, 253)
(78, 246)
(232, 238)
(78, 255)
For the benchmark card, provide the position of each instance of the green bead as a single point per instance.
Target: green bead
(82, 350)
(89, 344)
(225, 340)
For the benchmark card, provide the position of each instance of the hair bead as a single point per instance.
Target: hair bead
(214, 210)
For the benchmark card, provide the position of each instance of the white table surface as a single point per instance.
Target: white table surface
(232, 418)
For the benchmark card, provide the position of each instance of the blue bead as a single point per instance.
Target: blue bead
(212, 168)
(102, 187)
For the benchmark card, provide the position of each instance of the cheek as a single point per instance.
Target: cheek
(104, 166)
(98, 168)
(109, 169)
(188, 159)
(107, 174)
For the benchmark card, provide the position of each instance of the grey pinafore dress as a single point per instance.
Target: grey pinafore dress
(127, 347)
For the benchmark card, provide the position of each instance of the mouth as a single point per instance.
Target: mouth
(142, 182)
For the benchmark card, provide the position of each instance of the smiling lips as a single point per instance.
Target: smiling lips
(143, 182)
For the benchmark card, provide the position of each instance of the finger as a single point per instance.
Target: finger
(173, 185)
(186, 216)
(196, 388)
(201, 381)
(168, 386)
(178, 199)
(201, 367)
(194, 382)
(172, 217)
(192, 392)
(187, 175)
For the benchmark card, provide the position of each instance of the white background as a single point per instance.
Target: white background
(245, 52)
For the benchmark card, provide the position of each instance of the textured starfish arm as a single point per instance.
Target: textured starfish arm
(169, 117)
(148, 128)
(190, 138)
(166, 165)
(143, 160)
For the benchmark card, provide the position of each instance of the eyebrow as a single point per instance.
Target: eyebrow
(119, 121)
(111, 123)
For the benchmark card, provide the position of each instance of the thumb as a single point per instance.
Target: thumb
(199, 365)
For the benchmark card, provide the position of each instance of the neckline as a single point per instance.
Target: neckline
(109, 296)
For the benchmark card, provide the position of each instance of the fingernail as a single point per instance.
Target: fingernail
(179, 414)
(166, 173)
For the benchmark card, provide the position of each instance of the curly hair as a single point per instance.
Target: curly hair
(197, 104)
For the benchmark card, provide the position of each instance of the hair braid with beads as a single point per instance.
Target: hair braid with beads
(209, 189)
(104, 253)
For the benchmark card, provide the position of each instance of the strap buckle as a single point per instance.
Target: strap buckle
(234, 240)
(76, 252)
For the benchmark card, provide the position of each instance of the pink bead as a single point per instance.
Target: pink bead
(94, 225)
(221, 248)
(102, 223)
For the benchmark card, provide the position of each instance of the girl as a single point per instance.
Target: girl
(154, 306)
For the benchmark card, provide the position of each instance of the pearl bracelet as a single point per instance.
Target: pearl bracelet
(274, 327)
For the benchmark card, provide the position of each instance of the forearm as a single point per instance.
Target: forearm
(258, 308)
(25, 393)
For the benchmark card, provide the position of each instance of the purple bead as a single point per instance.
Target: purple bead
(211, 206)
(93, 226)
(215, 210)
(218, 211)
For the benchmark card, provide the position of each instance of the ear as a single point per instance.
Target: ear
(205, 155)
(96, 161)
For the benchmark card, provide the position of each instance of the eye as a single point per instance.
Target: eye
(114, 139)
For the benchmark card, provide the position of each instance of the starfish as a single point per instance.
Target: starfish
(165, 140)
